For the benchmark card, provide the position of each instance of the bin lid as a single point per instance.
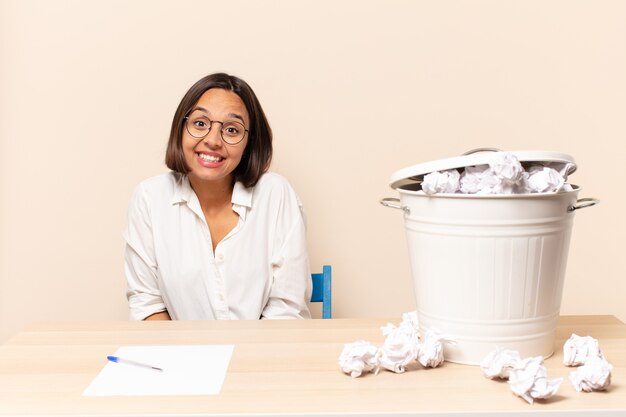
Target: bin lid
(415, 173)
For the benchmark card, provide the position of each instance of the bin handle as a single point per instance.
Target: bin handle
(583, 203)
(394, 203)
(471, 151)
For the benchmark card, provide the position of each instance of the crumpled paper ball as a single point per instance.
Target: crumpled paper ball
(594, 375)
(528, 379)
(410, 319)
(509, 172)
(359, 357)
(431, 350)
(478, 180)
(544, 180)
(499, 362)
(441, 182)
(400, 348)
(577, 349)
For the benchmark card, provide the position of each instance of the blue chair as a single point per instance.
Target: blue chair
(322, 290)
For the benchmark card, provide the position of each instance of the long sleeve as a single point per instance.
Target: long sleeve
(291, 281)
(140, 266)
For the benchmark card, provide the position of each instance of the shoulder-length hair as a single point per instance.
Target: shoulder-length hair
(258, 153)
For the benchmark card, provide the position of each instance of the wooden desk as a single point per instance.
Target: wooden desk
(284, 367)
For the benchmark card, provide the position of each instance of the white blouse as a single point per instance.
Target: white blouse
(259, 270)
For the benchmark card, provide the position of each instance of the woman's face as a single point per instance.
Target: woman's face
(211, 159)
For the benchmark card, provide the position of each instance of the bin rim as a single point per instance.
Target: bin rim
(414, 173)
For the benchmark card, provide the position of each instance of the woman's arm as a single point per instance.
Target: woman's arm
(291, 284)
(163, 315)
(140, 266)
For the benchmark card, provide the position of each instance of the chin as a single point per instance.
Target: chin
(209, 176)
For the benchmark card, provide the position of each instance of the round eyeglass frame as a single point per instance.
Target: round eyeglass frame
(186, 118)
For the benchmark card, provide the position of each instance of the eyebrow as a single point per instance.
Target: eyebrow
(231, 115)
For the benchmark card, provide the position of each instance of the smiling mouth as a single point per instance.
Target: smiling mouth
(209, 158)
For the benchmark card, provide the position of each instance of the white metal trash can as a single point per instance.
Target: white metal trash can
(488, 270)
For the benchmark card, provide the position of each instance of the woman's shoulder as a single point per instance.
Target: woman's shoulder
(274, 186)
(159, 186)
(271, 181)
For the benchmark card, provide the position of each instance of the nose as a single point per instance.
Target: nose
(214, 138)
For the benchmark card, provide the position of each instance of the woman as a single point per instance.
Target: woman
(219, 237)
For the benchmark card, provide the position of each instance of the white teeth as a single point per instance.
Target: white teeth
(209, 158)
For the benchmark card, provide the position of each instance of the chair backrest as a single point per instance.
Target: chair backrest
(322, 285)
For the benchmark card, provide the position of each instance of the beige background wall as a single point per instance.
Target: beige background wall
(88, 89)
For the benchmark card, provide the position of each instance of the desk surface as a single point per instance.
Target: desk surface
(284, 367)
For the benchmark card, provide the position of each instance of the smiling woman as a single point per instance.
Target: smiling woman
(219, 237)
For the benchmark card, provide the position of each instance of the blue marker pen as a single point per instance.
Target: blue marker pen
(130, 362)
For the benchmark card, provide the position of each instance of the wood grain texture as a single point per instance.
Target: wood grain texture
(283, 367)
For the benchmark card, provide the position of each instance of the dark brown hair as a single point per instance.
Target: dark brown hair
(258, 154)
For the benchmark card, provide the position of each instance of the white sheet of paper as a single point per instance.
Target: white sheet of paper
(187, 370)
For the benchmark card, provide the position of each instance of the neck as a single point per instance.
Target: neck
(213, 194)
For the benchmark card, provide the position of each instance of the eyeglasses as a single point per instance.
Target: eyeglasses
(199, 125)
